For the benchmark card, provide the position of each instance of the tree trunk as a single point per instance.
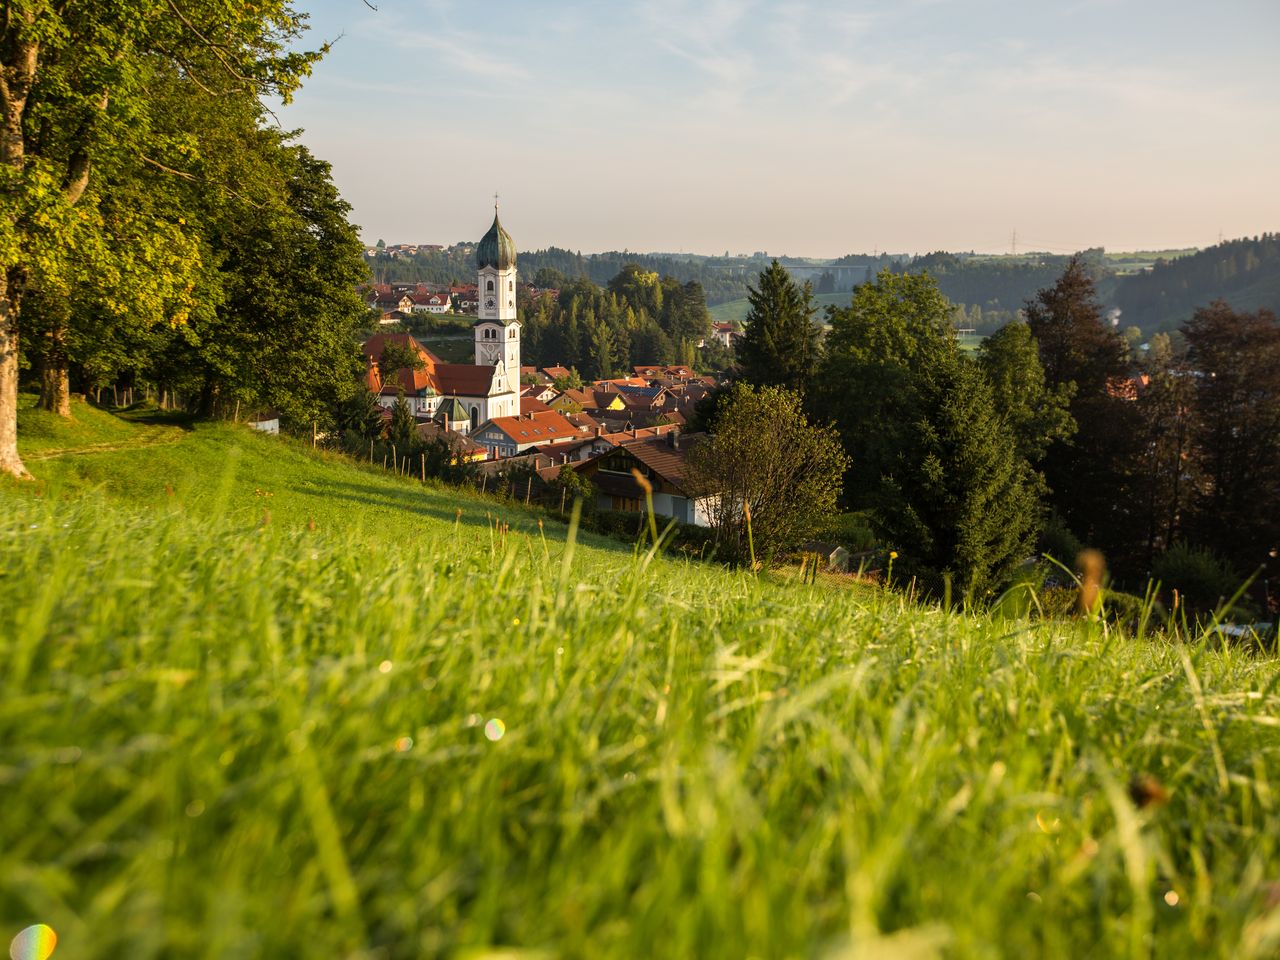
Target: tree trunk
(55, 388)
(10, 462)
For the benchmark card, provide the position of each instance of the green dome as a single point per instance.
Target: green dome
(497, 249)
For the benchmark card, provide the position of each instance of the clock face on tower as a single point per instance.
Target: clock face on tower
(489, 303)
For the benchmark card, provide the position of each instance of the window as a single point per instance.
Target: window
(511, 285)
(489, 285)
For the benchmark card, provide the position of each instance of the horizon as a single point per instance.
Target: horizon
(811, 128)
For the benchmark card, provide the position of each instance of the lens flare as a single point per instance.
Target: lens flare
(495, 729)
(34, 943)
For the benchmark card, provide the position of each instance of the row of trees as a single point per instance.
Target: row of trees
(157, 229)
(1051, 432)
(638, 317)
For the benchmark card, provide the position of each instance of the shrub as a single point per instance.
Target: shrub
(1202, 578)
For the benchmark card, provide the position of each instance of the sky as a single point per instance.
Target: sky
(800, 128)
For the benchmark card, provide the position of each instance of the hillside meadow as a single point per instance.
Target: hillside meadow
(261, 702)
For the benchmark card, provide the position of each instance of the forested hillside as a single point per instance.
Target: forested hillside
(1245, 272)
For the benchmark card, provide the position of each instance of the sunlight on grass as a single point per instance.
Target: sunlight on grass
(225, 733)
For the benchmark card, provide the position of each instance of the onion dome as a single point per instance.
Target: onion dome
(496, 249)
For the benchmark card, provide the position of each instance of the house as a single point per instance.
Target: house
(463, 448)
(530, 404)
(725, 333)
(509, 436)
(670, 372)
(432, 302)
(557, 373)
(542, 392)
(662, 462)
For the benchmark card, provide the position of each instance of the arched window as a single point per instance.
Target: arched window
(489, 287)
(511, 284)
(475, 416)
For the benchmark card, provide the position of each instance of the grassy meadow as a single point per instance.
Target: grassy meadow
(259, 702)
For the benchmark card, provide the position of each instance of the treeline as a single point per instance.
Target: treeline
(1245, 272)
(167, 236)
(637, 317)
(1053, 437)
(996, 287)
(721, 279)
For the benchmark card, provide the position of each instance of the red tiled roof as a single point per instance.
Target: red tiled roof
(545, 427)
(464, 379)
(533, 405)
(555, 373)
(374, 346)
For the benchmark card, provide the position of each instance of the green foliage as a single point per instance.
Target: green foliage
(781, 345)
(1203, 579)
(399, 356)
(574, 486)
(402, 429)
(1089, 476)
(765, 455)
(85, 102)
(362, 415)
(1244, 271)
(639, 318)
(1058, 542)
(958, 502)
(1236, 431)
(1037, 415)
(895, 327)
(232, 737)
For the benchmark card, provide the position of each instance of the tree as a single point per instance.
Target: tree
(958, 500)
(402, 431)
(361, 415)
(781, 344)
(895, 326)
(1088, 475)
(765, 456)
(1236, 429)
(398, 356)
(1037, 415)
(75, 96)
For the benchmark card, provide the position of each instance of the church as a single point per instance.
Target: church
(465, 395)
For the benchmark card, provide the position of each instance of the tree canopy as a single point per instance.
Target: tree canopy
(782, 344)
(766, 459)
(80, 116)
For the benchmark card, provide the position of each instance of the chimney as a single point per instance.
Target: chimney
(635, 432)
(673, 440)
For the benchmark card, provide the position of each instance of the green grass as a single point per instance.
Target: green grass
(224, 733)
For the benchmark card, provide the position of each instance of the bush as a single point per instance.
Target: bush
(1057, 541)
(1200, 577)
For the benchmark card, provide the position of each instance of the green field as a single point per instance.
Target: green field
(256, 702)
(737, 310)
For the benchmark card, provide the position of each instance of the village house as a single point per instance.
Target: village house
(509, 436)
(662, 462)
(432, 303)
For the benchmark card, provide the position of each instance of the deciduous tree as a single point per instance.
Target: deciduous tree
(75, 98)
(765, 456)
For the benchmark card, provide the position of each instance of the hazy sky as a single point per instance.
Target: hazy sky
(804, 128)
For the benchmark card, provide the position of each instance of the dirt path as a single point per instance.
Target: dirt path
(160, 436)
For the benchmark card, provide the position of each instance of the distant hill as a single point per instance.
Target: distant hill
(1244, 272)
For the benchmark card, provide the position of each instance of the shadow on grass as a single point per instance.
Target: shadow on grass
(473, 511)
(152, 416)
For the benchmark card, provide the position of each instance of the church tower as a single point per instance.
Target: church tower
(497, 332)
